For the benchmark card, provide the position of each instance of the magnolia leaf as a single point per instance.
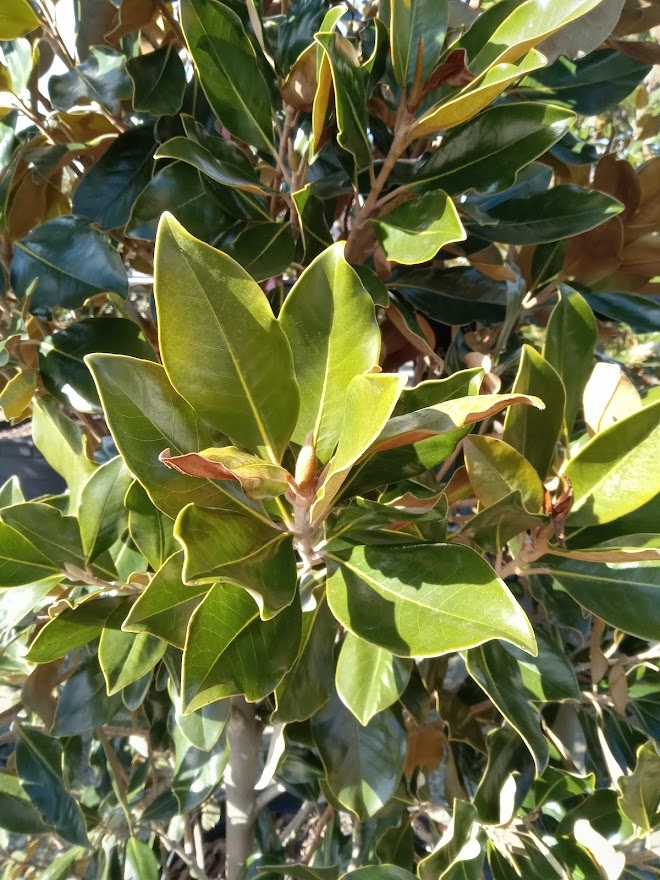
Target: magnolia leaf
(446, 417)
(417, 36)
(236, 337)
(17, 18)
(102, 514)
(496, 469)
(640, 792)
(228, 70)
(369, 402)
(230, 650)
(381, 593)
(222, 546)
(415, 231)
(330, 322)
(369, 678)
(609, 396)
(258, 478)
(617, 471)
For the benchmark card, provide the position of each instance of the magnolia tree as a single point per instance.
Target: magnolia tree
(357, 571)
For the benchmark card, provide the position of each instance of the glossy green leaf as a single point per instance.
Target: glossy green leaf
(454, 296)
(350, 89)
(454, 847)
(265, 250)
(497, 672)
(218, 159)
(560, 212)
(17, 812)
(363, 764)
(61, 358)
(471, 101)
(197, 773)
(102, 514)
(493, 527)
(330, 323)
(106, 194)
(369, 678)
(203, 728)
(640, 313)
(17, 18)
(230, 650)
(39, 765)
(75, 627)
(640, 792)
(433, 392)
(146, 416)
(63, 445)
(159, 81)
(569, 347)
(84, 702)
(228, 70)
(307, 685)
(72, 262)
(177, 188)
(622, 593)
(510, 768)
(487, 152)
(415, 231)
(236, 337)
(448, 416)
(11, 492)
(125, 657)
(221, 546)
(101, 77)
(497, 469)
(531, 432)
(415, 27)
(549, 676)
(381, 593)
(36, 541)
(617, 471)
(141, 862)
(151, 530)
(369, 402)
(591, 85)
(166, 605)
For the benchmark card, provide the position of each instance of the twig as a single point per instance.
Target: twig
(319, 832)
(298, 821)
(196, 872)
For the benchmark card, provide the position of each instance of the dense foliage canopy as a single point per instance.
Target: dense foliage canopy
(340, 324)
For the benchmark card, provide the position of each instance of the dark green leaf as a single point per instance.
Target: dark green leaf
(561, 212)
(228, 70)
(159, 81)
(179, 190)
(61, 360)
(197, 773)
(215, 157)
(363, 765)
(498, 673)
(126, 657)
(307, 685)
(165, 607)
(548, 676)
(418, 27)
(230, 650)
(101, 77)
(203, 728)
(590, 85)
(497, 469)
(465, 829)
(454, 296)
(493, 527)
(75, 627)
(39, 765)
(72, 262)
(151, 530)
(84, 702)
(141, 862)
(640, 313)
(265, 251)
(107, 192)
(17, 812)
(569, 348)
(486, 153)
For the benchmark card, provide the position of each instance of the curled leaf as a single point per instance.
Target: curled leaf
(258, 478)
